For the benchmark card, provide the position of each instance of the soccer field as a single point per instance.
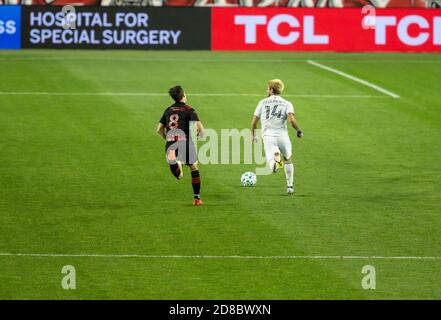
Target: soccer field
(84, 181)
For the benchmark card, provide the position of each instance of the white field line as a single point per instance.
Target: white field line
(348, 76)
(147, 94)
(213, 257)
(382, 61)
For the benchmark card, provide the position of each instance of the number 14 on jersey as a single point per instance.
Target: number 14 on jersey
(273, 112)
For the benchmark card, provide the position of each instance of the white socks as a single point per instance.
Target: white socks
(289, 173)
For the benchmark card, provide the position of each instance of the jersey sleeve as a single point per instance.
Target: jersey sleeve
(194, 116)
(258, 111)
(290, 109)
(163, 120)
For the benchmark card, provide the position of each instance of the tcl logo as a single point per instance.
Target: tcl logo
(426, 30)
(7, 27)
(252, 22)
(332, 29)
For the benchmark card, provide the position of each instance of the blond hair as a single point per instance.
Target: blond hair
(276, 85)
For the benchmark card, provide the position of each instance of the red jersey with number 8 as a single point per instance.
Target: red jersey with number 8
(176, 120)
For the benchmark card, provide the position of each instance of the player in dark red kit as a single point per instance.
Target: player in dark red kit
(174, 127)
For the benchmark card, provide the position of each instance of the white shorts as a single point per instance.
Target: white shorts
(280, 144)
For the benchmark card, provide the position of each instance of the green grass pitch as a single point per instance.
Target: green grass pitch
(86, 174)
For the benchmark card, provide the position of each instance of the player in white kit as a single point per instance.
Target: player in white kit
(274, 112)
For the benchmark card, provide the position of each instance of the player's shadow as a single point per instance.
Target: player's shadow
(267, 187)
(296, 195)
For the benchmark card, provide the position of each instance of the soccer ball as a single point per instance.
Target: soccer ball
(248, 179)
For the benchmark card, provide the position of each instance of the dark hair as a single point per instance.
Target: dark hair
(177, 93)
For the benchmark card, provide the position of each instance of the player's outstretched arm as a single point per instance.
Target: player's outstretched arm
(161, 130)
(200, 129)
(254, 123)
(292, 120)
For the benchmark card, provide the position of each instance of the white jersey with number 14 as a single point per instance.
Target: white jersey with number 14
(273, 112)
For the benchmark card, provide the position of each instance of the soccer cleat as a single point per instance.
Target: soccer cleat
(181, 174)
(197, 202)
(278, 163)
(290, 191)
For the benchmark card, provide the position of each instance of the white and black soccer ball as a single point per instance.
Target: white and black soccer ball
(248, 179)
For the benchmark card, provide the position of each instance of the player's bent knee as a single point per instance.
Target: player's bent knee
(193, 167)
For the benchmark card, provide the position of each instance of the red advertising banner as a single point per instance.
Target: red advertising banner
(285, 29)
(238, 3)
